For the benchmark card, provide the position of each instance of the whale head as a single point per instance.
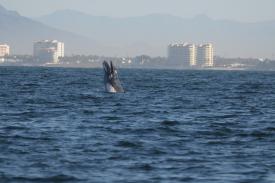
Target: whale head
(111, 80)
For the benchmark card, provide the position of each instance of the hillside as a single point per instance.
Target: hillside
(20, 33)
(150, 34)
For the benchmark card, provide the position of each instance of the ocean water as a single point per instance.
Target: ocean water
(58, 125)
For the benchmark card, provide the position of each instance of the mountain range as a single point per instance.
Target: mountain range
(88, 34)
(21, 32)
(152, 33)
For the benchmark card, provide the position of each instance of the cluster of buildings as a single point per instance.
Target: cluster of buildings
(179, 55)
(48, 51)
(45, 51)
(190, 55)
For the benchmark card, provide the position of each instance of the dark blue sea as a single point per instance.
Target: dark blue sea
(58, 125)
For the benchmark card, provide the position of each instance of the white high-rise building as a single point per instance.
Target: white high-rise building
(175, 54)
(4, 50)
(205, 55)
(48, 50)
(183, 55)
(190, 54)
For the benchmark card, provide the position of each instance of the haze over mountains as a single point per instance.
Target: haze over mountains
(20, 33)
(150, 34)
(88, 34)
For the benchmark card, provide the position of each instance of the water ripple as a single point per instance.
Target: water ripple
(58, 125)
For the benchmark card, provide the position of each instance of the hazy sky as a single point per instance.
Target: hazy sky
(242, 10)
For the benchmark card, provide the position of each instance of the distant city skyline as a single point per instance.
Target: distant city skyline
(240, 10)
(88, 33)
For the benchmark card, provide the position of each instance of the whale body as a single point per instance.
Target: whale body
(111, 80)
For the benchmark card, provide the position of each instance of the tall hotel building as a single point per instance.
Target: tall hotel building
(182, 55)
(205, 55)
(189, 55)
(4, 50)
(48, 51)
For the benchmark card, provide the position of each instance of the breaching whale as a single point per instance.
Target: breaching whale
(111, 80)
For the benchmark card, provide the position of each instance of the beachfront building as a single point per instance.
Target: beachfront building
(4, 50)
(205, 55)
(182, 55)
(189, 55)
(48, 51)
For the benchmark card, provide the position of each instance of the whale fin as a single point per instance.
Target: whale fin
(111, 80)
